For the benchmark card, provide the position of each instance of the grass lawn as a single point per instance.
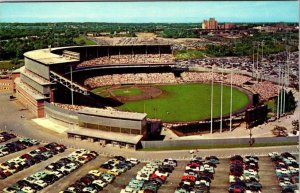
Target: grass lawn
(271, 105)
(81, 38)
(189, 54)
(127, 91)
(187, 102)
(7, 65)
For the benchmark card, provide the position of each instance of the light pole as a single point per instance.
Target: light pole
(231, 98)
(221, 110)
(212, 99)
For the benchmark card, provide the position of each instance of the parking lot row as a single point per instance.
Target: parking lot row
(52, 172)
(19, 163)
(97, 179)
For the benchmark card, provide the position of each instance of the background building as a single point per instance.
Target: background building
(210, 24)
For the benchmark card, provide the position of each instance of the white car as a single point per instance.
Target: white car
(88, 189)
(200, 182)
(250, 176)
(100, 183)
(133, 160)
(282, 171)
(28, 189)
(285, 183)
(249, 191)
(233, 178)
(170, 161)
(143, 176)
(161, 174)
(209, 169)
(156, 162)
(250, 171)
(95, 172)
(40, 183)
(272, 154)
(148, 172)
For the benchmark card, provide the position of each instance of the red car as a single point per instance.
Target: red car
(194, 164)
(153, 176)
(189, 178)
(43, 149)
(26, 156)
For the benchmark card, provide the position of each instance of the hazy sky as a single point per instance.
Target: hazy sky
(243, 11)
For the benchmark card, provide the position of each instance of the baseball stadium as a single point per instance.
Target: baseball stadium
(124, 94)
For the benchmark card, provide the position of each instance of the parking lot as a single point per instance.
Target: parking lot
(220, 183)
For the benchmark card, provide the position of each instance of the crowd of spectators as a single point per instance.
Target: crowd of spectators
(68, 106)
(129, 59)
(139, 78)
(238, 80)
(265, 89)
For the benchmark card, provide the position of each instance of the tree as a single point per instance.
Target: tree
(290, 102)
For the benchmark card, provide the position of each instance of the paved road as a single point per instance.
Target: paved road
(15, 119)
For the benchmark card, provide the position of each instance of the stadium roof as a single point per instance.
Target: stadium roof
(44, 56)
(112, 113)
(120, 137)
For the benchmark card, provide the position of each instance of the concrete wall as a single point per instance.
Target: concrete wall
(37, 68)
(173, 143)
(61, 116)
(111, 122)
(35, 85)
(34, 106)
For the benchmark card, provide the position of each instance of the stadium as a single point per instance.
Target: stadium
(123, 94)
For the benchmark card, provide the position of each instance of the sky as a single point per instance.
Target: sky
(156, 12)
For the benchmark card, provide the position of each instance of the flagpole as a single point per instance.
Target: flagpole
(221, 112)
(231, 97)
(212, 99)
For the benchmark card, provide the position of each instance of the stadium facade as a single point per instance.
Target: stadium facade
(52, 75)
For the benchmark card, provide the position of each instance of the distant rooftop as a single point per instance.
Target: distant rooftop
(112, 113)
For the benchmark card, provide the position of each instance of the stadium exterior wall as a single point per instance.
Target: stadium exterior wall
(233, 141)
(74, 120)
(36, 107)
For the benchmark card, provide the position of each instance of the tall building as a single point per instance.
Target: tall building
(210, 24)
(227, 26)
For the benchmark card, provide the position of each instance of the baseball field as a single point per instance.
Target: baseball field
(179, 102)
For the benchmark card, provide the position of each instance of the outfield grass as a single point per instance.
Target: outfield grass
(187, 102)
(81, 38)
(127, 91)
